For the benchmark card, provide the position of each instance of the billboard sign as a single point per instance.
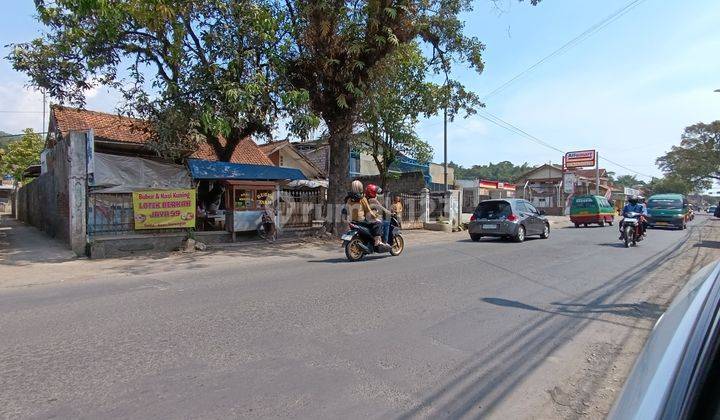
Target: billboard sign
(580, 159)
(162, 209)
(569, 183)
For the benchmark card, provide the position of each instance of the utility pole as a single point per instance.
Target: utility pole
(445, 167)
(44, 105)
(597, 173)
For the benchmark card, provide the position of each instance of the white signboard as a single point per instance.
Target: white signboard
(569, 183)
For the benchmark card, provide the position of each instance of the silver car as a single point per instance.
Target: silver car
(509, 218)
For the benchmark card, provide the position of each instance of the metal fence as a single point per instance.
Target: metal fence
(109, 213)
(412, 215)
(299, 208)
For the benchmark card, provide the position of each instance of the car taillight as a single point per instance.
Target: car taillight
(512, 218)
(473, 218)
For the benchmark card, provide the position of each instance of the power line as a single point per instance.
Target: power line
(516, 130)
(570, 44)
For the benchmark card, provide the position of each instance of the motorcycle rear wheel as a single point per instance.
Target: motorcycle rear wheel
(626, 236)
(353, 250)
(398, 245)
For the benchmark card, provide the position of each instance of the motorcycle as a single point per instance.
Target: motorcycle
(631, 229)
(358, 241)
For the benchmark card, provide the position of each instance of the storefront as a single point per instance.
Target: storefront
(232, 196)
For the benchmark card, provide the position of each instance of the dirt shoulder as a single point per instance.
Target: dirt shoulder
(584, 377)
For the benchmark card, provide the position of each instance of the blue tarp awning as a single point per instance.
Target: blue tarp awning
(205, 169)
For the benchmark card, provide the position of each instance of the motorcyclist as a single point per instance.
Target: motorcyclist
(634, 206)
(371, 192)
(359, 209)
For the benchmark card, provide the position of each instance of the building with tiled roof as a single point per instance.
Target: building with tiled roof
(121, 134)
(284, 154)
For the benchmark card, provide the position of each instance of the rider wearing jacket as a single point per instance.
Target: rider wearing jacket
(634, 206)
(380, 212)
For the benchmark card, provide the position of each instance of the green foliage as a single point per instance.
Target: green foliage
(20, 154)
(670, 184)
(696, 161)
(501, 171)
(218, 63)
(629, 181)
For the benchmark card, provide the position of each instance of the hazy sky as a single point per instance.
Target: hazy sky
(628, 90)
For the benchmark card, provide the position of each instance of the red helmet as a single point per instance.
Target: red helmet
(372, 190)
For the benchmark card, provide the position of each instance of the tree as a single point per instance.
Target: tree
(335, 45)
(670, 184)
(629, 181)
(697, 158)
(501, 171)
(198, 70)
(21, 154)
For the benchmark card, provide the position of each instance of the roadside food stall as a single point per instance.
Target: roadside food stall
(243, 190)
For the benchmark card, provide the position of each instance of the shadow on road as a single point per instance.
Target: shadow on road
(613, 244)
(708, 244)
(488, 376)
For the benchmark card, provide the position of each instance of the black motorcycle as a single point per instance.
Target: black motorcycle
(358, 241)
(631, 229)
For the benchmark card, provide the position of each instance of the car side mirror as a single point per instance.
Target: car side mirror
(541, 212)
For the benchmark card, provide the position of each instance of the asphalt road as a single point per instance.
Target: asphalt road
(447, 329)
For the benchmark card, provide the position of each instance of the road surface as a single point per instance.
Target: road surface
(450, 328)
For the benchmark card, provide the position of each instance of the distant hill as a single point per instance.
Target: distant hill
(7, 138)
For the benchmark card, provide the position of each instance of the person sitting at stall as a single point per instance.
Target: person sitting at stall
(268, 221)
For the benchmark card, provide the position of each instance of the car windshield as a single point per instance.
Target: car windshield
(665, 203)
(493, 210)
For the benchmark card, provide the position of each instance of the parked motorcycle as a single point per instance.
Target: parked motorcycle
(358, 241)
(631, 229)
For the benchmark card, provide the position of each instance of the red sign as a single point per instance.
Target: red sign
(580, 159)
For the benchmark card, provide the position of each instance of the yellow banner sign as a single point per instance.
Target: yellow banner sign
(162, 209)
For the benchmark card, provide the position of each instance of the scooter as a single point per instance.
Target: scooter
(631, 229)
(358, 241)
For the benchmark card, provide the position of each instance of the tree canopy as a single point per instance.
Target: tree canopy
(20, 154)
(501, 171)
(200, 70)
(670, 184)
(696, 160)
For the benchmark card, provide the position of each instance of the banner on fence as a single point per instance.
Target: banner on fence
(163, 209)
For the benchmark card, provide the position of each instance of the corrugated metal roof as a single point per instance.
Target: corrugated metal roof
(204, 169)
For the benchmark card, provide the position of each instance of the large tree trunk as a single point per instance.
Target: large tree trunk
(340, 136)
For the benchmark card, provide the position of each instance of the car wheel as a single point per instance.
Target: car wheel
(584, 224)
(602, 223)
(520, 236)
(610, 222)
(577, 225)
(546, 232)
(475, 237)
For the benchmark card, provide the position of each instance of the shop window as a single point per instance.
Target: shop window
(243, 199)
(263, 197)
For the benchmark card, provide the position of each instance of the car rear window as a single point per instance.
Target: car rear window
(584, 202)
(493, 210)
(665, 203)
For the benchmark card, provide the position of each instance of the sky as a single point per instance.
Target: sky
(628, 90)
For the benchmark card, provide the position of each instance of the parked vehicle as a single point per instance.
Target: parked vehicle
(668, 210)
(358, 241)
(677, 374)
(631, 229)
(712, 209)
(508, 218)
(591, 209)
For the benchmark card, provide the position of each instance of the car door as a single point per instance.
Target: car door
(527, 217)
(538, 222)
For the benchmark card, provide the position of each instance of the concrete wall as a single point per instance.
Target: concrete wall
(55, 201)
(44, 202)
(437, 174)
(408, 182)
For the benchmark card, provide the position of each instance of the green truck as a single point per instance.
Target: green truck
(668, 210)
